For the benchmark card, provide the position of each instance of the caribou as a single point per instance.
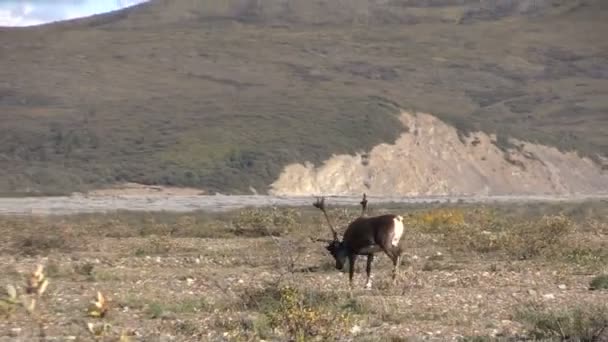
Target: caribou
(365, 236)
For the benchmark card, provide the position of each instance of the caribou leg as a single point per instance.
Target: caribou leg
(394, 253)
(352, 258)
(396, 261)
(368, 270)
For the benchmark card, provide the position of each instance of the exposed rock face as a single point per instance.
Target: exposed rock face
(432, 159)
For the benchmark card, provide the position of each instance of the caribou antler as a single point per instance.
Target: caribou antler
(320, 203)
(363, 204)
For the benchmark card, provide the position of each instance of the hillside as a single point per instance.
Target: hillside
(222, 96)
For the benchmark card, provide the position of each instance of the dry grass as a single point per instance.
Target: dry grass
(255, 274)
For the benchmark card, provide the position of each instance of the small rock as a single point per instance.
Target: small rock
(532, 292)
(240, 281)
(189, 281)
(355, 329)
(562, 286)
(549, 296)
(158, 260)
(486, 274)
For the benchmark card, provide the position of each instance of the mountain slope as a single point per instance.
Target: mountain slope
(223, 95)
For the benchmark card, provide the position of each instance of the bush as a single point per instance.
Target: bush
(585, 256)
(263, 222)
(155, 245)
(588, 323)
(301, 319)
(533, 238)
(434, 221)
(599, 282)
(192, 226)
(302, 315)
(596, 226)
(521, 240)
(46, 239)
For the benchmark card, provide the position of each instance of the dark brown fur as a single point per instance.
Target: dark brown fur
(364, 236)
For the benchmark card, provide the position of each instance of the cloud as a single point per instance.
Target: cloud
(27, 13)
(7, 18)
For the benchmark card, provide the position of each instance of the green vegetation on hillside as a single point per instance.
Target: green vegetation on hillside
(223, 96)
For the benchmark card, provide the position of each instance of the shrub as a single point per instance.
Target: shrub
(301, 319)
(533, 238)
(46, 239)
(263, 222)
(521, 240)
(435, 220)
(302, 315)
(190, 226)
(155, 245)
(585, 256)
(596, 226)
(588, 323)
(599, 282)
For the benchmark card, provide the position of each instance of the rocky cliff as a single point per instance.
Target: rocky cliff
(433, 158)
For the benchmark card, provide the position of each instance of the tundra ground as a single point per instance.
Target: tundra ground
(471, 272)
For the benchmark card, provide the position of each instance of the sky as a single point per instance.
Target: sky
(35, 12)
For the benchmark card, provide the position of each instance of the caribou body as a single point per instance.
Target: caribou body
(365, 236)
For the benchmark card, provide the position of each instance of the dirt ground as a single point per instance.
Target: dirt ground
(191, 277)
